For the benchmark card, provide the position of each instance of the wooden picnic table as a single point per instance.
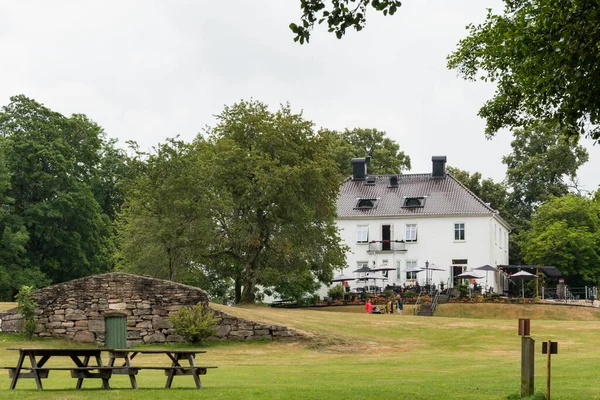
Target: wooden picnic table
(82, 369)
(174, 369)
(38, 357)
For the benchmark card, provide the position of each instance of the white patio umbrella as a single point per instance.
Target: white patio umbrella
(342, 278)
(486, 268)
(377, 277)
(428, 274)
(522, 276)
(383, 269)
(469, 275)
(374, 277)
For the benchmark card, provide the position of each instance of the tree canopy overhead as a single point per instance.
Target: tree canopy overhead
(272, 197)
(386, 156)
(339, 15)
(250, 203)
(160, 226)
(566, 233)
(544, 57)
(543, 163)
(52, 228)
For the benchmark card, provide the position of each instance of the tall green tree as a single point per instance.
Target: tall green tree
(51, 160)
(160, 226)
(273, 191)
(543, 163)
(340, 15)
(386, 156)
(14, 269)
(566, 233)
(542, 55)
(493, 193)
(112, 171)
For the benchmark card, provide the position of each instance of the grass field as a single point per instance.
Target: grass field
(7, 306)
(470, 351)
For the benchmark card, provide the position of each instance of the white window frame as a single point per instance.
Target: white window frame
(458, 229)
(362, 234)
(360, 264)
(398, 273)
(411, 275)
(409, 237)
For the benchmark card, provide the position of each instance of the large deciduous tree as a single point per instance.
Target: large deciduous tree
(543, 163)
(55, 225)
(14, 269)
(386, 156)
(339, 15)
(273, 190)
(495, 194)
(543, 56)
(161, 220)
(566, 233)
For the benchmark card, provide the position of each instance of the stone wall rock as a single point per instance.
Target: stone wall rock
(233, 328)
(76, 310)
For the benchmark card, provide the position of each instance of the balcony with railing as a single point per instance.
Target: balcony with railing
(376, 246)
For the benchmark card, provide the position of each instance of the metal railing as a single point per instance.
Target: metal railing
(571, 295)
(434, 302)
(418, 304)
(387, 245)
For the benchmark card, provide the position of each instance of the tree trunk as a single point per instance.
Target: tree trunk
(249, 284)
(248, 293)
(171, 266)
(238, 289)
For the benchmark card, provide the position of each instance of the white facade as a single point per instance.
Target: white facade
(418, 220)
(438, 241)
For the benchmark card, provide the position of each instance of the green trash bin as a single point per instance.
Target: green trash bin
(116, 330)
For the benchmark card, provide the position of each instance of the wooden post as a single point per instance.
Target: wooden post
(527, 366)
(548, 376)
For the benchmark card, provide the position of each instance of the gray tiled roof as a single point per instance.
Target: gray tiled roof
(443, 196)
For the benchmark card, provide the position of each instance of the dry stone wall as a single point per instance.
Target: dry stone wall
(233, 328)
(77, 310)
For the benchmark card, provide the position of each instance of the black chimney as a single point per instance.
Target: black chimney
(359, 168)
(439, 167)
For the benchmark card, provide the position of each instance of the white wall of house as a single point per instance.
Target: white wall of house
(485, 242)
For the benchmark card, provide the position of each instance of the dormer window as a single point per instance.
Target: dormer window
(366, 203)
(370, 181)
(414, 202)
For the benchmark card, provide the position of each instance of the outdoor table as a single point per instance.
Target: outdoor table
(37, 370)
(175, 369)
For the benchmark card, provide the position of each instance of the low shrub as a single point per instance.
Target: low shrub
(335, 292)
(26, 306)
(195, 323)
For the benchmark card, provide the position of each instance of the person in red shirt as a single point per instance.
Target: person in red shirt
(369, 307)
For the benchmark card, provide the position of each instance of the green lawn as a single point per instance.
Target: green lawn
(351, 355)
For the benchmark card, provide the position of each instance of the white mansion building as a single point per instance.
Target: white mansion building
(408, 221)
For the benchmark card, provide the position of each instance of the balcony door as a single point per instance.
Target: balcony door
(386, 237)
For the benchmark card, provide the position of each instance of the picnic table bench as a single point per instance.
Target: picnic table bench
(171, 371)
(82, 369)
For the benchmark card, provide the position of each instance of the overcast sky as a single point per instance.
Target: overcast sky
(149, 70)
